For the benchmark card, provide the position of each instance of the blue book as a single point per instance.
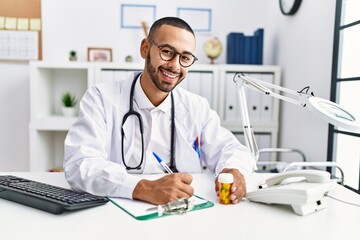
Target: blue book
(238, 50)
(259, 36)
(253, 50)
(230, 48)
(247, 50)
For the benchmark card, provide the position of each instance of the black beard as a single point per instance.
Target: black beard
(151, 71)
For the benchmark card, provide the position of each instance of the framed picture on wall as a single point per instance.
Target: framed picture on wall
(99, 55)
(198, 18)
(130, 17)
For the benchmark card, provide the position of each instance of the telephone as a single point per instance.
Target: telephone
(304, 190)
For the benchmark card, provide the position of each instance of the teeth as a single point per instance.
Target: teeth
(169, 75)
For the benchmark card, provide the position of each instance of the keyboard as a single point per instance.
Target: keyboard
(46, 197)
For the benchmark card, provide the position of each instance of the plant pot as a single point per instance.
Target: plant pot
(69, 111)
(73, 58)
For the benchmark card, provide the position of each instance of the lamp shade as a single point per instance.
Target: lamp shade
(334, 114)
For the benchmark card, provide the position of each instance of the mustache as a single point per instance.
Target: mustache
(170, 70)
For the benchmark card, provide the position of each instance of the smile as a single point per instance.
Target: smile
(168, 74)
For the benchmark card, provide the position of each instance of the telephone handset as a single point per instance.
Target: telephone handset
(304, 190)
(314, 176)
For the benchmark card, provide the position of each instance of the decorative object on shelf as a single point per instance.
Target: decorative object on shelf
(128, 58)
(145, 28)
(56, 169)
(72, 55)
(289, 7)
(69, 101)
(213, 49)
(99, 54)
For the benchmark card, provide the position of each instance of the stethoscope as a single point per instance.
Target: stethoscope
(132, 112)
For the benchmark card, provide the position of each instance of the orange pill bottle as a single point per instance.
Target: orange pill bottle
(225, 182)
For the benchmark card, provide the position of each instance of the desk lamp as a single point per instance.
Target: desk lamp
(327, 110)
(304, 197)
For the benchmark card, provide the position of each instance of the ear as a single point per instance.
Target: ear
(144, 48)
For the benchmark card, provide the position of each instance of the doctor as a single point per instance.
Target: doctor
(121, 125)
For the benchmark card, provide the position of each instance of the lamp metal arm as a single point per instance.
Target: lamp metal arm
(298, 98)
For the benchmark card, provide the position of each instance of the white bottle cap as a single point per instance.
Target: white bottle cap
(226, 178)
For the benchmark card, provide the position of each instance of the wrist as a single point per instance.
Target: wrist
(142, 190)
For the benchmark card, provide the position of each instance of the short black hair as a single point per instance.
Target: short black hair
(172, 21)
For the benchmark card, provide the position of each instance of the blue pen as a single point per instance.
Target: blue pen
(196, 146)
(167, 169)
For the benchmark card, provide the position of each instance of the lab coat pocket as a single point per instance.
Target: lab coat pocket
(187, 159)
(128, 138)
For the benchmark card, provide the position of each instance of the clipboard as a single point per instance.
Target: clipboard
(139, 210)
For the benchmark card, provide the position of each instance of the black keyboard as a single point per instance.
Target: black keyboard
(46, 197)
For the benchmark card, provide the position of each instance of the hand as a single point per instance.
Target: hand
(238, 189)
(163, 190)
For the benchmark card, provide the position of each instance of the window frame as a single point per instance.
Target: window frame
(335, 79)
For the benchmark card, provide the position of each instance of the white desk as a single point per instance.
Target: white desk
(244, 221)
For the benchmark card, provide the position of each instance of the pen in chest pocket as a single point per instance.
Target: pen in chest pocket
(196, 146)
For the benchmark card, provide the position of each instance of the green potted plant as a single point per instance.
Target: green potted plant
(69, 102)
(72, 55)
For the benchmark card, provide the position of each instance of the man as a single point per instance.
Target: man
(122, 125)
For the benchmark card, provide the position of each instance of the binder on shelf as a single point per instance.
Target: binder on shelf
(243, 49)
(247, 50)
(146, 211)
(206, 89)
(254, 99)
(239, 48)
(231, 48)
(194, 83)
(231, 102)
(259, 42)
(267, 101)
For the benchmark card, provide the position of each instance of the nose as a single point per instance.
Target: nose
(175, 62)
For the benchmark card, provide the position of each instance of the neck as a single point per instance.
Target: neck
(155, 95)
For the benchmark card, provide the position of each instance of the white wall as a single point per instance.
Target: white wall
(89, 23)
(301, 45)
(14, 116)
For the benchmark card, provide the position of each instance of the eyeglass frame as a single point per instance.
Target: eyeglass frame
(175, 53)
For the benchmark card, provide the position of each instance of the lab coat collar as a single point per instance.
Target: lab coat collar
(142, 101)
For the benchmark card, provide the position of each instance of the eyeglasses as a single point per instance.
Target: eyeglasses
(168, 53)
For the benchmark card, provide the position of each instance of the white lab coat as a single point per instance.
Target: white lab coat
(93, 160)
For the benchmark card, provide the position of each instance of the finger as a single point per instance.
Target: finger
(186, 191)
(186, 178)
(234, 195)
(181, 185)
(217, 185)
(238, 193)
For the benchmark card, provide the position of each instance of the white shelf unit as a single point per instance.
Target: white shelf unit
(48, 81)
(202, 79)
